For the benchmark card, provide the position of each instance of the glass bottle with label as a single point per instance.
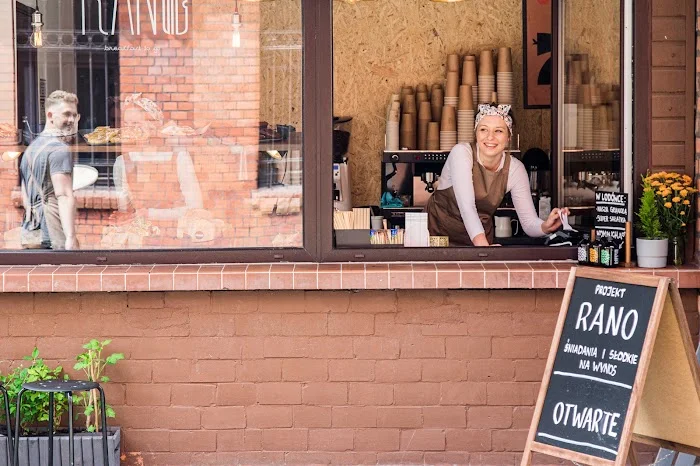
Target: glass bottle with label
(594, 250)
(583, 250)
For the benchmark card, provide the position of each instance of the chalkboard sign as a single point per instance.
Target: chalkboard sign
(617, 332)
(595, 367)
(611, 215)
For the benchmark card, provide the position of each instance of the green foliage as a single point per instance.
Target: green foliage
(649, 219)
(93, 364)
(35, 405)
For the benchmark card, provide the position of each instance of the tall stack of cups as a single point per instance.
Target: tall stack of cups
(424, 117)
(585, 119)
(407, 133)
(437, 100)
(452, 86)
(465, 115)
(448, 128)
(392, 123)
(487, 80)
(469, 76)
(433, 139)
(504, 76)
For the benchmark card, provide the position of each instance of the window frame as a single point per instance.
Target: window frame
(317, 201)
(641, 125)
(310, 175)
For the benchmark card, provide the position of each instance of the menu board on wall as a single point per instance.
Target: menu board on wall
(617, 333)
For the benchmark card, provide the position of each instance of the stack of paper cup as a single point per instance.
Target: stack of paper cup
(465, 115)
(448, 128)
(487, 80)
(392, 123)
(469, 76)
(504, 76)
(585, 119)
(452, 89)
(433, 139)
(570, 125)
(424, 117)
(437, 100)
(453, 62)
(601, 131)
(407, 133)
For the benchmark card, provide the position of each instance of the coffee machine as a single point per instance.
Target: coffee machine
(342, 186)
(409, 178)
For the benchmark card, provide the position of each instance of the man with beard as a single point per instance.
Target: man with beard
(46, 172)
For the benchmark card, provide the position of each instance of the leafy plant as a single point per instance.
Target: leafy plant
(93, 364)
(35, 405)
(649, 221)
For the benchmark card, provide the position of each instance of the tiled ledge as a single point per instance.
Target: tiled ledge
(304, 276)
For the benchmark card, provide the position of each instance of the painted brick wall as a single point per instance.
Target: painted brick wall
(315, 377)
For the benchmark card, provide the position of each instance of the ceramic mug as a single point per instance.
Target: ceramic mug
(504, 227)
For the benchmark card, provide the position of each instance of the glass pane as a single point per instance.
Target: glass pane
(590, 117)
(189, 132)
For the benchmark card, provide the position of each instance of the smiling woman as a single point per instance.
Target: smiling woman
(470, 191)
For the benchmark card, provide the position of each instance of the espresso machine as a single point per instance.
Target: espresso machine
(342, 187)
(409, 178)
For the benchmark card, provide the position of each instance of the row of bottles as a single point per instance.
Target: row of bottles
(601, 253)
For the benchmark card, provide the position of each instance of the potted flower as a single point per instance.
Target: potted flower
(34, 411)
(664, 212)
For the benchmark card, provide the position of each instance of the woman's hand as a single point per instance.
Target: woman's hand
(553, 222)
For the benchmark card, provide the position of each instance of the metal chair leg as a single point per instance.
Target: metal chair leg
(105, 448)
(17, 427)
(71, 449)
(51, 404)
(10, 439)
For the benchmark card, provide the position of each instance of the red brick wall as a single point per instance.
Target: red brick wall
(218, 378)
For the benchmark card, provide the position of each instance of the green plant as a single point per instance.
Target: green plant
(649, 221)
(674, 197)
(35, 405)
(93, 364)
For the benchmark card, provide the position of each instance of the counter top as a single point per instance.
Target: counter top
(308, 276)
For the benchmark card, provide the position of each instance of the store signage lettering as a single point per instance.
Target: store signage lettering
(170, 17)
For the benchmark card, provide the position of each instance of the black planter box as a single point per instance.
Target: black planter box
(34, 451)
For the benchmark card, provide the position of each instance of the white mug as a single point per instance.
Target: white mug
(504, 227)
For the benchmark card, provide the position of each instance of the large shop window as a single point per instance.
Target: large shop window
(408, 81)
(187, 133)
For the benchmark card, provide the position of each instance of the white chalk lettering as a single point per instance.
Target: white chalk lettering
(591, 419)
(619, 321)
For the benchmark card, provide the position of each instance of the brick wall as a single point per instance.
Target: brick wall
(315, 377)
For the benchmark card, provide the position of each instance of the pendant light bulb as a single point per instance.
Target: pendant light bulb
(37, 37)
(236, 38)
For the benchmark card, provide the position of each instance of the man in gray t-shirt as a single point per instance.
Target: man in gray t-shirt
(46, 172)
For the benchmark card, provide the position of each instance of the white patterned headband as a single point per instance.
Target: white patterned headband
(492, 110)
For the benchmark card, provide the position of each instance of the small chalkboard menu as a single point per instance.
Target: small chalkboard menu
(602, 354)
(611, 215)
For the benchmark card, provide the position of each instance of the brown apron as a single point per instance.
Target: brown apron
(444, 218)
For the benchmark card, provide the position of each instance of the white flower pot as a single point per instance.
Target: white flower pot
(652, 253)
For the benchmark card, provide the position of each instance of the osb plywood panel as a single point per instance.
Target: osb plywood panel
(280, 61)
(381, 45)
(594, 29)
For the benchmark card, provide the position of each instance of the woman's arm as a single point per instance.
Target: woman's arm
(519, 187)
(460, 163)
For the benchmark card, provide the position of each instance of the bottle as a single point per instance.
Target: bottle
(583, 250)
(616, 248)
(594, 250)
(606, 252)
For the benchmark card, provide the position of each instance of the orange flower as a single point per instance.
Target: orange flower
(686, 202)
(676, 199)
(655, 183)
(684, 192)
(667, 205)
(682, 212)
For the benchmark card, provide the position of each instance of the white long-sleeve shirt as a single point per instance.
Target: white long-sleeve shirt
(457, 173)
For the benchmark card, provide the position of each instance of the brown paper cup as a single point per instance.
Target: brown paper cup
(433, 138)
(436, 102)
(466, 96)
(486, 63)
(407, 133)
(424, 111)
(409, 104)
(453, 62)
(452, 88)
(449, 119)
(505, 60)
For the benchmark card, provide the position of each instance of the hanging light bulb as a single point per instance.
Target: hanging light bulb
(37, 38)
(236, 38)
